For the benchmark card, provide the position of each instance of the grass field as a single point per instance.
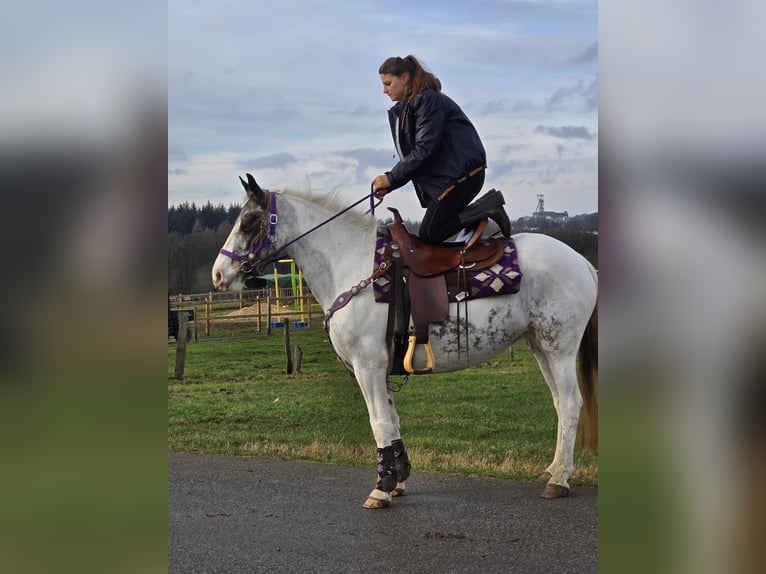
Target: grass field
(235, 398)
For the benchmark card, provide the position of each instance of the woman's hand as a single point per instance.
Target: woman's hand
(380, 186)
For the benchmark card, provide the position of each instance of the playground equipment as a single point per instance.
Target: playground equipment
(296, 281)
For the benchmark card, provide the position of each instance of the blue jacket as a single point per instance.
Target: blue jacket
(436, 142)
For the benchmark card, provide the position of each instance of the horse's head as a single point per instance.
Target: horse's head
(243, 254)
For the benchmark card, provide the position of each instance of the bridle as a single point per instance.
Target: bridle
(267, 233)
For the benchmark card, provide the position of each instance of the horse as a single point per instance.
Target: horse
(554, 310)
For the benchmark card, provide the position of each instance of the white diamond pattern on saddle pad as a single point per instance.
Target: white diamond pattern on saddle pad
(497, 284)
(482, 276)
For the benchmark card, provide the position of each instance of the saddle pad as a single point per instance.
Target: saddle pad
(502, 278)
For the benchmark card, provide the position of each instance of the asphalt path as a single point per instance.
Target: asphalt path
(246, 515)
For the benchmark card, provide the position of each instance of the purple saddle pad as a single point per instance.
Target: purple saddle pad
(502, 278)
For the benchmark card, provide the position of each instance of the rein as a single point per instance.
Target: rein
(262, 240)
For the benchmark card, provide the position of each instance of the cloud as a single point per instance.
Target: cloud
(175, 154)
(358, 112)
(566, 132)
(277, 161)
(368, 155)
(243, 94)
(588, 56)
(590, 96)
(504, 106)
(360, 162)
(581, 96)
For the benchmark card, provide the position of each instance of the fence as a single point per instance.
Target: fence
(268, 308)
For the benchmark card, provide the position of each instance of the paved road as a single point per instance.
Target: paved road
(245, 515)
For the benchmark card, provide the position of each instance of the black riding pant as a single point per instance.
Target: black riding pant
(441, 218)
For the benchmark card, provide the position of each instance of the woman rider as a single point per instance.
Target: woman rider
(440, 152)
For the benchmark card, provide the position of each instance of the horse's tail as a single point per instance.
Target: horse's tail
(589, 384)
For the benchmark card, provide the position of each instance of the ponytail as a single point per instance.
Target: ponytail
(420, 79)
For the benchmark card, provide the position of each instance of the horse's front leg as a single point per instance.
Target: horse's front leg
(401, 460)
(393, 464)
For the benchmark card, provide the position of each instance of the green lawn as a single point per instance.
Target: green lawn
(493, 420)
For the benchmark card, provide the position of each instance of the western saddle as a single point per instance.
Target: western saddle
(427, 270)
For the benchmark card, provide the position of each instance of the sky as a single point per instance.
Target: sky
(290, 92)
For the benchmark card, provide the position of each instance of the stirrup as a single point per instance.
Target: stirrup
(411, 352)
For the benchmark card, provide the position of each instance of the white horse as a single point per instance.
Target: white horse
(555, 311)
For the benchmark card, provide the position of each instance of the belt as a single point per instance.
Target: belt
(444, 193)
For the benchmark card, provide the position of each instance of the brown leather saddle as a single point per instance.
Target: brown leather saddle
(426, 269)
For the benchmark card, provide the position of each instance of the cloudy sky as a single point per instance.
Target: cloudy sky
(289, 91)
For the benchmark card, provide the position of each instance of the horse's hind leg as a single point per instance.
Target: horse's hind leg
(542, 361)
(561, 376)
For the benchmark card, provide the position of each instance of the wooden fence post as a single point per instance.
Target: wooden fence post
(208, 302)
(288, 356)
(258, 309)
(183, 329)
(297, 359)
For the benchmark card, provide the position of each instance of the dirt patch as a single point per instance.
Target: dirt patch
(250, 313)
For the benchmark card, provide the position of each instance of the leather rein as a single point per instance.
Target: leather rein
(267, 235)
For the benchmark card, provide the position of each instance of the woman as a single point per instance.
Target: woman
(440, 152)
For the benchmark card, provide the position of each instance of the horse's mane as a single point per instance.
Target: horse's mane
(335, 202)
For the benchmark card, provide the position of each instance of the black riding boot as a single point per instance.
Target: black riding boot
(488, 205)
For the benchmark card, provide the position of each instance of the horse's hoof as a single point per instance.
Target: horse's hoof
(399, 490)
(555, 491)
(545, 477)
(377, 499)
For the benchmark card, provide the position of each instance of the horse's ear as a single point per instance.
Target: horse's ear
(244, 184)
(254, 191)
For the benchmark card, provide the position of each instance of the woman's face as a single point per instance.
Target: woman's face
(395, 86)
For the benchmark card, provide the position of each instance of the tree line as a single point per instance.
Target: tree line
(580, 232)
(185, 218)
(195, 234)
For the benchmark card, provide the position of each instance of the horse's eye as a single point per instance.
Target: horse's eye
(248, 221)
